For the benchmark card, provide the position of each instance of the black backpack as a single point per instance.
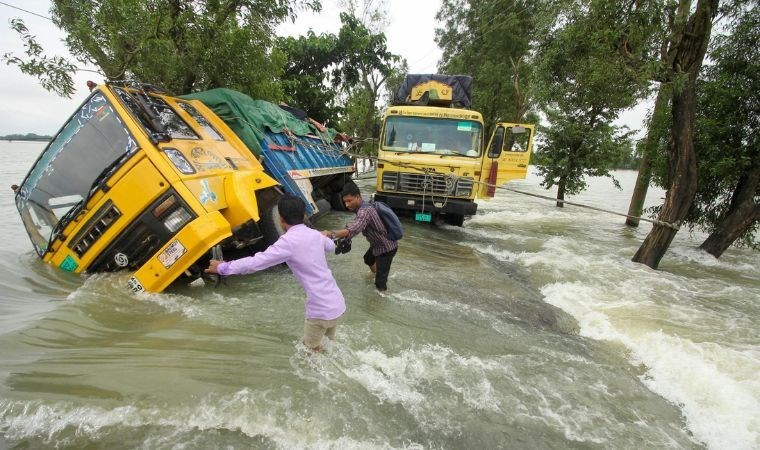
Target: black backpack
(389, 219)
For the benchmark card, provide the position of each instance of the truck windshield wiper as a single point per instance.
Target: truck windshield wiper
(151, 120)
(97, 182)
(64, 220)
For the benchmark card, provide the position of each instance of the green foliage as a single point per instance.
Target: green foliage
(339, 76)
(366, 65)
(573, 149)
(181, 45)
(492, 40)
(306, 79)
(365, 53)
(585, 77)
(54, 73)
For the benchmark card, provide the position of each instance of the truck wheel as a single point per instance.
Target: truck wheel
(270, 226)
(454, 219)
(336, 202)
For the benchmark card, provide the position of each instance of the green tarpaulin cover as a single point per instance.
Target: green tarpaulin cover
(250, 118)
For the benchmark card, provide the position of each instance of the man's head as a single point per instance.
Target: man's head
(352, 197)
(292, 209)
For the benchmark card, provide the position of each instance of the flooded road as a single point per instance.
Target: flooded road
(528, 328)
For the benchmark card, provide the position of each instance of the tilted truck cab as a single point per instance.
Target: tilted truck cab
(141, 181)
(432, 157)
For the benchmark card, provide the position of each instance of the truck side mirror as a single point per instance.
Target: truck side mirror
(496, 143)
(518, 140)
(375, 130)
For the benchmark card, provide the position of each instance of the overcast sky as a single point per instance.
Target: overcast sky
(25, 107)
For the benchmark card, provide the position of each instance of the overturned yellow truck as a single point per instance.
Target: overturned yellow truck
(141, 181)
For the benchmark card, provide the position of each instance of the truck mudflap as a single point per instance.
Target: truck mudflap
(431, 204)
(182, 250)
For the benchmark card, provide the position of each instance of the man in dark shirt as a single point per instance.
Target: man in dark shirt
(381, 249)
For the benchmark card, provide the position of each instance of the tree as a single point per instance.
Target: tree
(584, 84)
(650, 149)
(727, 140)
(54, 73)
(306, 80)
(491, 40)
(686, 51)
(181, 45)
(366, 66)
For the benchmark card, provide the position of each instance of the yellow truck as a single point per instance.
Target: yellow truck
(432, 160)
(141, 181)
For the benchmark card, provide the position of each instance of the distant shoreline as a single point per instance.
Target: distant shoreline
(43, 139)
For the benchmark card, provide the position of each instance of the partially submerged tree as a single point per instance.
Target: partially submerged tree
(727, 140)
(585, 84)
(686, 50)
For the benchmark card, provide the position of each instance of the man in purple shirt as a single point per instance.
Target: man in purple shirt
(303, 250)
(381, 248)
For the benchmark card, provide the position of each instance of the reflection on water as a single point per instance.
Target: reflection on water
(528, 328)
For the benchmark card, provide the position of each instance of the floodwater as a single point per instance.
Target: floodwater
(528, 328)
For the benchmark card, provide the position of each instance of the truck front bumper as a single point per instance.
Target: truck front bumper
(401, 202)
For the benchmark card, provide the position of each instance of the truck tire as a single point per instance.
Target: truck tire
(456, 220)
(270, 226)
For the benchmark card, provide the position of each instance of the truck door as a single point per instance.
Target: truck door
(507, 156)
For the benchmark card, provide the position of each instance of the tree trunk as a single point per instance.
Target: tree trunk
(685, 56)
(561, 189)
(640, 191)
(645, 166)
(683, 169)
(742, 213)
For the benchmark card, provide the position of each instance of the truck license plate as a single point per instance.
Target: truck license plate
(172, 253)
(423, 217)
(135, 285)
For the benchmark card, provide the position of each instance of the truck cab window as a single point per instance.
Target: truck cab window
(169, 120)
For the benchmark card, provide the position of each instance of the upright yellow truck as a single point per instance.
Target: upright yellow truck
(432, 158)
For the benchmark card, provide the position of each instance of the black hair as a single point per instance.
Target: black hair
(292, 209)
(350, 189)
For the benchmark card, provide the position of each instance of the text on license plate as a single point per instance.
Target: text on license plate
(172, 253)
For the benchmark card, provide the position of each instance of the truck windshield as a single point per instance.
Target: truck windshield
(92, 144)
(155, 114)
(432, 135)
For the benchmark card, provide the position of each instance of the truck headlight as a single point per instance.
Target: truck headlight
(179, 161)
(390, 181)
(464, 187)
(172, 213)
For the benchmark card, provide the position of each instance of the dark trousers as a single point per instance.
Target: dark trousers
(383, 266)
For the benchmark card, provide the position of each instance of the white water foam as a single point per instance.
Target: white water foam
(413, 377)
(253, 414)
(708, 381)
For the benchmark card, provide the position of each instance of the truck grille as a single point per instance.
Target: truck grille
(143, 237)
(94, 229)
(428, 184)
